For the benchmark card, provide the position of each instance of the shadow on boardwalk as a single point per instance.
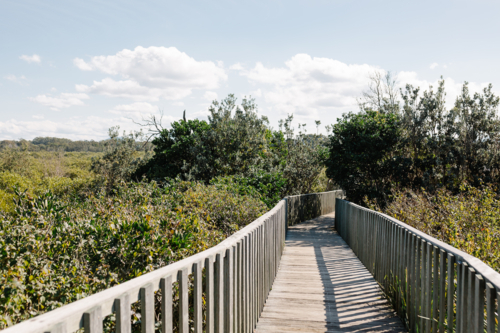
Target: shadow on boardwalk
(321, 286)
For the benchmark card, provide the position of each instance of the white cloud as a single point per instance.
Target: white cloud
(210, 95)
(135, 111)
(433, 65)
(148, 74)
(256, 93)
(80, 63)
(64, 100)
(29, 59)
(237, 67)
(17, 79)
(308, 86)
(38, 116)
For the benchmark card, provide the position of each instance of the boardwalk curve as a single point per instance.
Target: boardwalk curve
(321, 286)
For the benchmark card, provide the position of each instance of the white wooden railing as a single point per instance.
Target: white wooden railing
(433, 286)
(230, 283)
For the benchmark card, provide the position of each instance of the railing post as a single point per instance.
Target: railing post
(435, 289)
(228, 290)
(451, 292)
(479, 304)
(209, 293)
(197, 298)
(442, 289)
(490, 308)
(471, 299)
(92, 320)
(122, 310)
(182, 277)
(245, 276)
(219, 293)
(166, 304)
(147, 309)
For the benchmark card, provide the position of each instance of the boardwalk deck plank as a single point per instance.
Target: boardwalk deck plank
(321, 286)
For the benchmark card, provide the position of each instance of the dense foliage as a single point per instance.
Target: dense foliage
(361, 149)
(469, 221)
(55, 250)
(38, 172)
(237, 143)
(415, 142)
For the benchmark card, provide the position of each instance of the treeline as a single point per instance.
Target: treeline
(415, 142)
(435, 168)
(123, 212)
(61, 145)
(238, 145)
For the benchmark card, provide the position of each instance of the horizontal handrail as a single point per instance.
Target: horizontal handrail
(433, 286)
(239, 273)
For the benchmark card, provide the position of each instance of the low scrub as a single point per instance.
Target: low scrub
(55, 250)
(469, 221)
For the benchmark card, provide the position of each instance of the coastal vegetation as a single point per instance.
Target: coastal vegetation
(432, 167)
(80, 217)
(77, 217)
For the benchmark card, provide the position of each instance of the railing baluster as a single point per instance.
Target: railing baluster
(428, 271)
(182, 278)
(197, 298)
(147, 309)
(405, 275)
(413, 256)
(435, 290)
(418, 275)
(442, 289)
(92, 320)
(244, 284)
(423, 303)
(238, 289)
(471, 299)
(479, 304)
(451, 293)
(209, 294)
(228, 290)
(255, 274)
(490, 308)
(460, 297)
(123, 314)
(464, 302)
(219, 293)
(166, 304)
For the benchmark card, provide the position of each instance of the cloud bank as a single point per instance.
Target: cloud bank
(64, 100)
(307, 85)
(150, 74)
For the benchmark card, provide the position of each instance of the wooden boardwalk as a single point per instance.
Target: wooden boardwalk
(321, 286)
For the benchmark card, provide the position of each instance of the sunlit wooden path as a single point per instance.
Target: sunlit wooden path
(322, 286)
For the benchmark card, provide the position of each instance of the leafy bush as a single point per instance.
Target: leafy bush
(360, 150)
(61, 173)
(120, 159)
(425, 145)
(55, 250)
(239, 145)
(469, 221)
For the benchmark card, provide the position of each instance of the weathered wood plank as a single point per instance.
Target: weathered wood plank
(321, 286)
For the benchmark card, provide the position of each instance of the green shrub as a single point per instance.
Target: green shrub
(55, 250)
(469, 221)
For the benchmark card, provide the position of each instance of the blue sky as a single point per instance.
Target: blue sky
(75, 68)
